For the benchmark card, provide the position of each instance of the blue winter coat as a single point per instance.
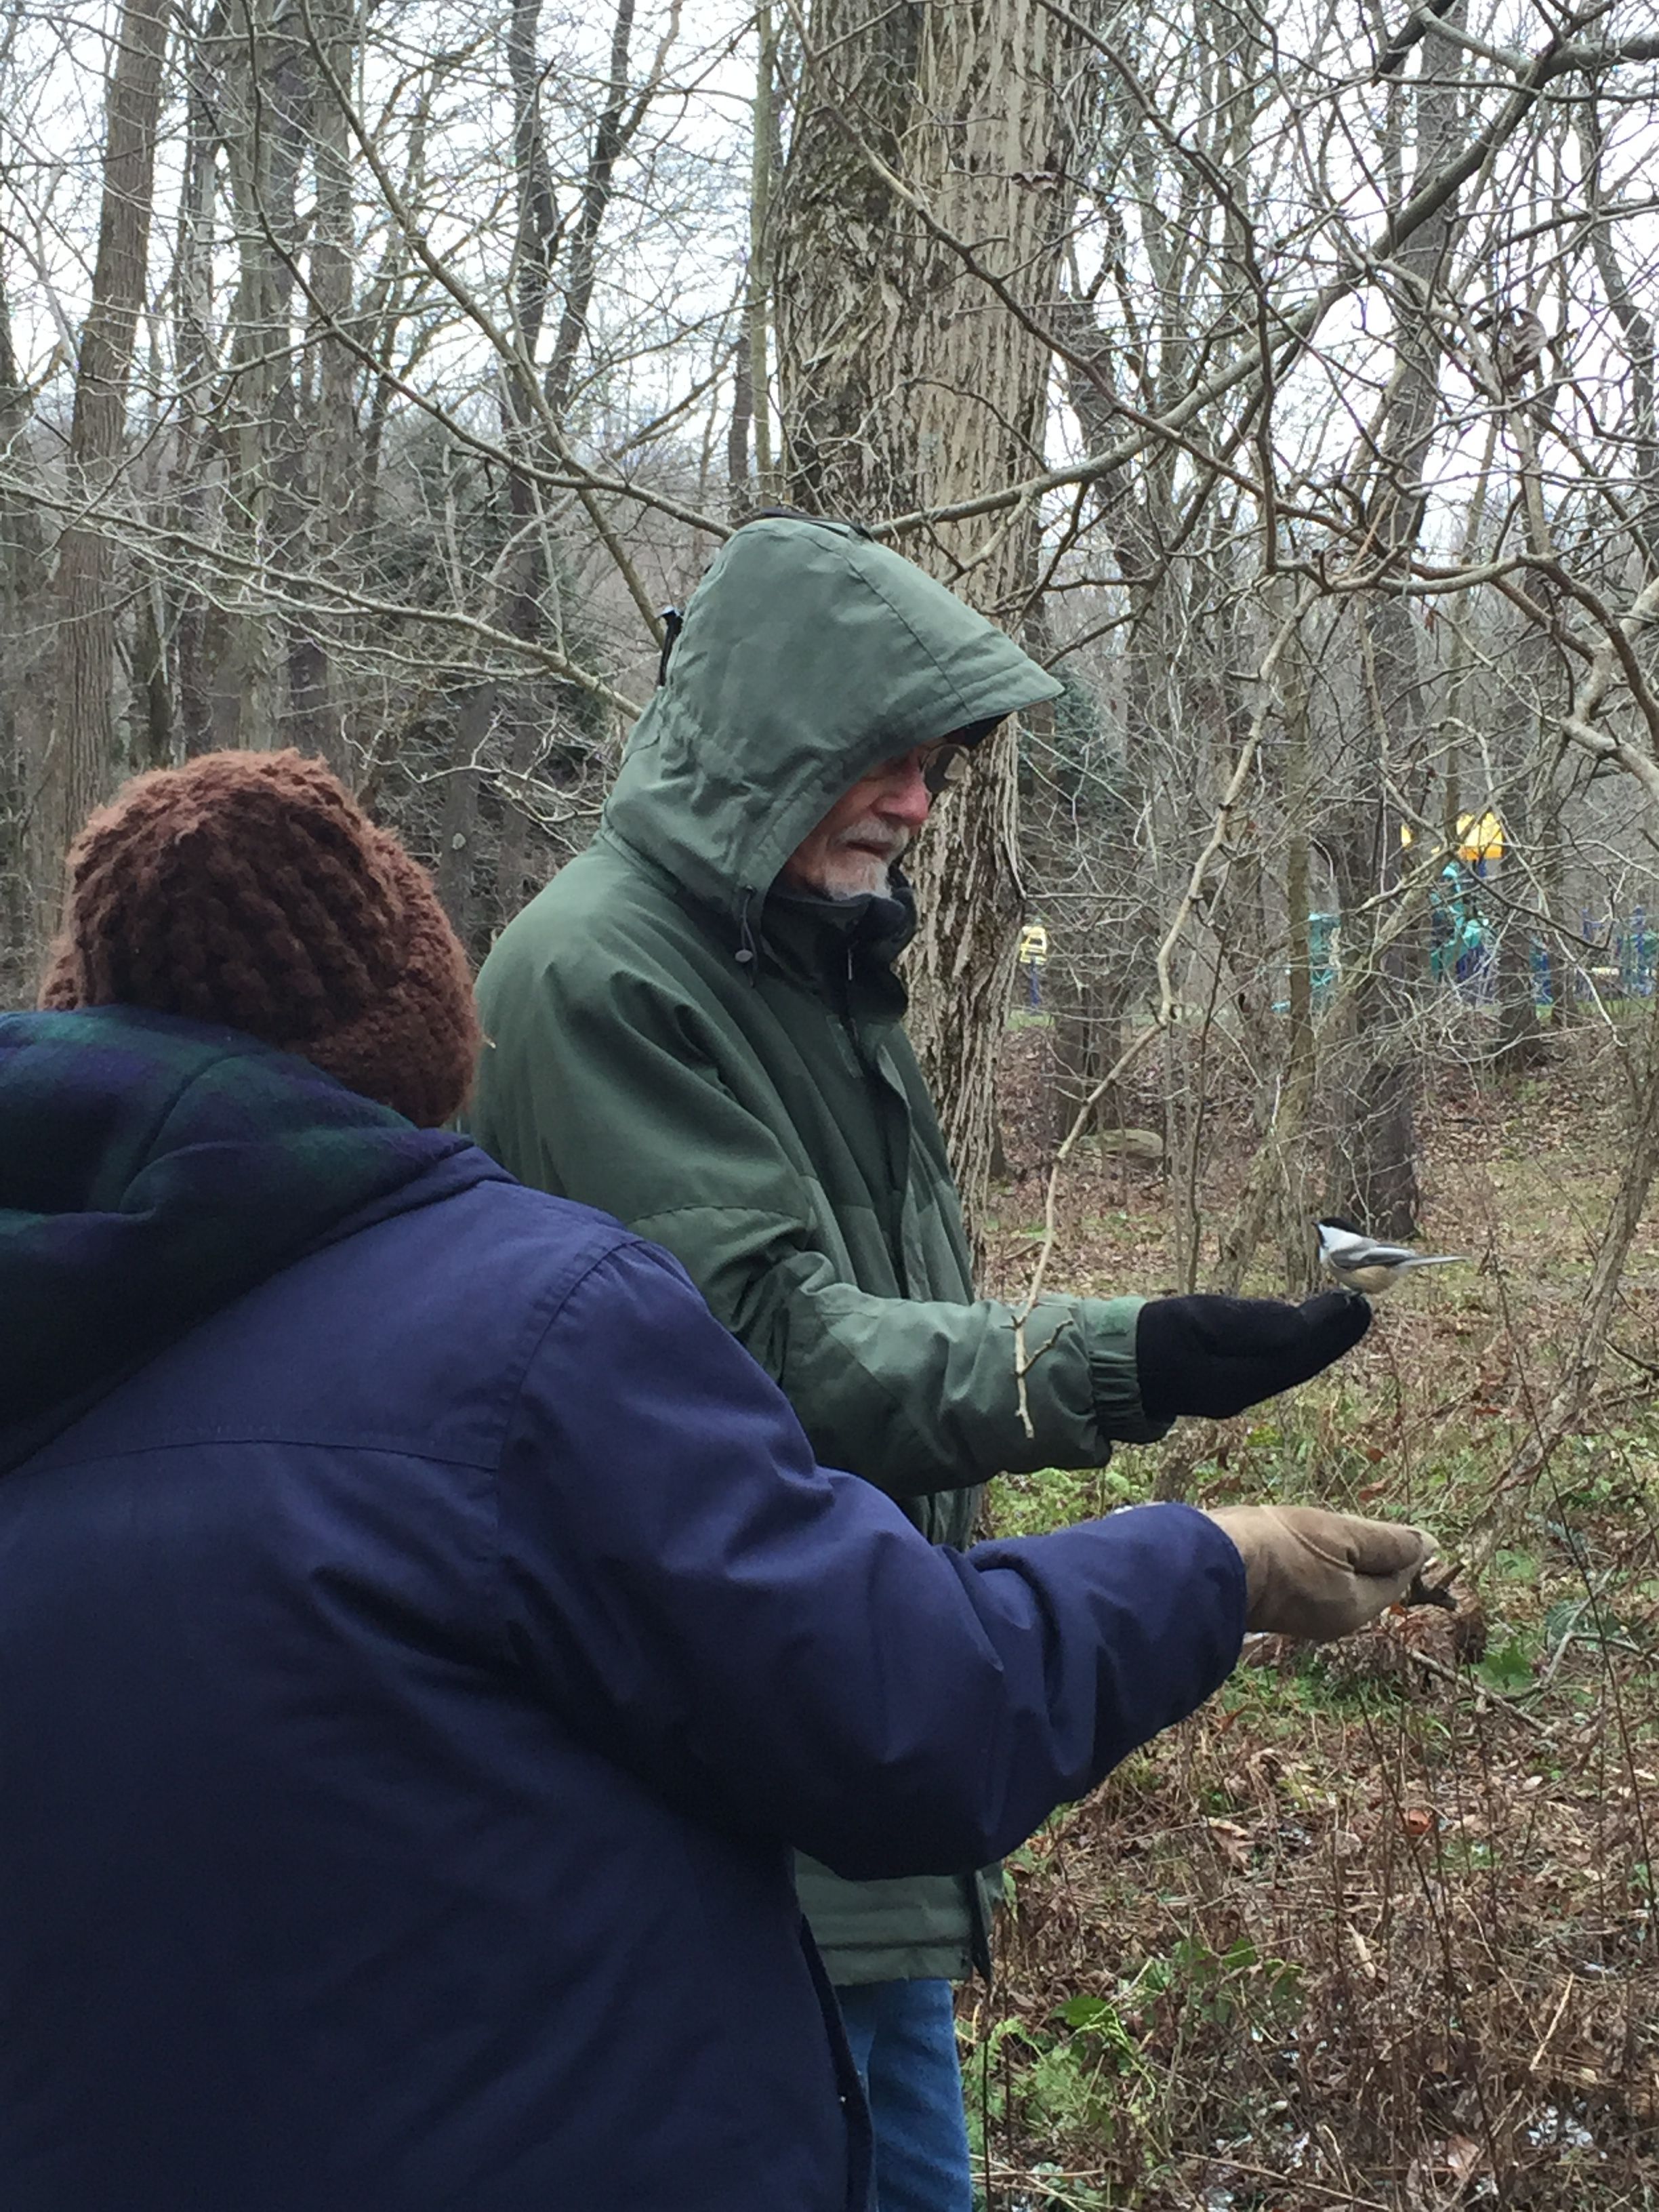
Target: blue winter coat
(413, 1678)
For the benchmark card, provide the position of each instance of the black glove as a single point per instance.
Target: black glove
(1214, 1356)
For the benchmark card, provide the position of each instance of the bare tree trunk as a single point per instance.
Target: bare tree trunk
(1524, 749)
(989, 70)
(523, 574)
(906, 382)
(740, 498)
(20, 575)
(196, 447)
(1373, 1168)
(750, 370)
(843, 273)
(1636, 327)
(1276, 1185)
(1107, 952)
(266, 70)
(328, 461)
(459, 823)
(79, 760)
(610, 137)
(535, 419)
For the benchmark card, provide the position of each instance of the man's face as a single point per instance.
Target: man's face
(852, 851)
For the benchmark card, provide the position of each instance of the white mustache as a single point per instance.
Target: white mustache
(889, 843)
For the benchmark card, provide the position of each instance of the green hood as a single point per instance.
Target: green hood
(761, 724)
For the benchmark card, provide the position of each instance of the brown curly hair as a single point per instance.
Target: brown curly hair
(250, 889)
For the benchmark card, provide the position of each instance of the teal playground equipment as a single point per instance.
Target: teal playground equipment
(1321, 954)
(1465, 948)
(1463, 945)
(1323, 963)
(1464, 942)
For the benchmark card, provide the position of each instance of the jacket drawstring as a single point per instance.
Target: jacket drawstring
(674, 622)
(744, 955)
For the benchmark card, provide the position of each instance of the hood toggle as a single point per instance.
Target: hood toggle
(674, 622)
(744, 955)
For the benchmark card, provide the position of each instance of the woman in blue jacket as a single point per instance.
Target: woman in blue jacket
(424, 1631)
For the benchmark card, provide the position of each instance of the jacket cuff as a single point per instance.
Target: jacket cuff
(1110, 1328)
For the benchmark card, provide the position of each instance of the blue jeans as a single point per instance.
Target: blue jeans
(904, 2043)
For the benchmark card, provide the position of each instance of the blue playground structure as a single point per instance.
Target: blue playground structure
(1632, 950)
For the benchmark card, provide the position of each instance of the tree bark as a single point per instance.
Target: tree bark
(329, 461)
(21, 567)
(1275, 1188)
(751, 376)
(265, 71)
(1373, 1164)
(610, 137)
(79, 762)
(908, 382)
(196, 446)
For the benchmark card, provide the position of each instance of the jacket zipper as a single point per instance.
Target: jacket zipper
(893, 1125)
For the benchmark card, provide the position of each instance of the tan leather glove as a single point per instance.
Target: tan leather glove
(1320, 1575)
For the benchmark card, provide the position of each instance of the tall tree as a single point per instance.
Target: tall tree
(77, 763)
(918, 247)
(1373, 1172)
(22, 545)
(327, 465)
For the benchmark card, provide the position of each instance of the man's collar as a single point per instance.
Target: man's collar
(876, 925)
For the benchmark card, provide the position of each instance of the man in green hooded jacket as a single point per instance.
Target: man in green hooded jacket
(696, 1026)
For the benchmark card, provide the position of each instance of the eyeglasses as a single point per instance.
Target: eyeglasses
(941, 766)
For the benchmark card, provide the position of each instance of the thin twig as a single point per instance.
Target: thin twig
(1166, 1014)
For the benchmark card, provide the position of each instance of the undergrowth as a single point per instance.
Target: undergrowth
(1375, 1929)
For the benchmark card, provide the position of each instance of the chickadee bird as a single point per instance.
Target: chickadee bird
(1362, 1265)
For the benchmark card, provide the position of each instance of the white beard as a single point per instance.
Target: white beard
(850, 875)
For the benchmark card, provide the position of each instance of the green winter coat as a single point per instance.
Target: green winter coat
(724, 1068)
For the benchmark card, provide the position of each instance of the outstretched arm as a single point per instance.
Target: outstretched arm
(773, 1647)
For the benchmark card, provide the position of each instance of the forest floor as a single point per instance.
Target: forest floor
(1374, 1929)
